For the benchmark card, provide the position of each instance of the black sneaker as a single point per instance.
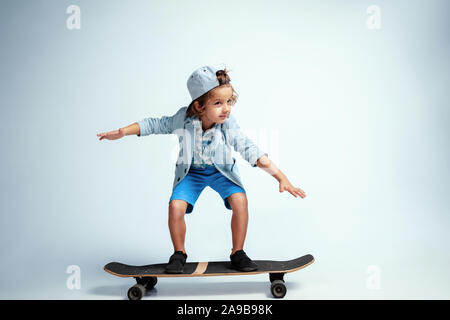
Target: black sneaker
(176, 262)
(240, 261)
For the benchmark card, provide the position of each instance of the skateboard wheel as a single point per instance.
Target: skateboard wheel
(278, 288)
(136, 292)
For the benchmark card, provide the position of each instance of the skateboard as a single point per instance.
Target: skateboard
(147, 276)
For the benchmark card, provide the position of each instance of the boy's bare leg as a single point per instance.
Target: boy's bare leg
(239, 221)
(177, 225)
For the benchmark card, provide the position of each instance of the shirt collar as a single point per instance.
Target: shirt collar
(198, 124)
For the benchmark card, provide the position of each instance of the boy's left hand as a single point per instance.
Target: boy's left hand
(286, 185)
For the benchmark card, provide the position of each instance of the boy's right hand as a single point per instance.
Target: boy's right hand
(112, 135)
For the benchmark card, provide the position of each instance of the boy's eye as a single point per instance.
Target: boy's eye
(229, 101)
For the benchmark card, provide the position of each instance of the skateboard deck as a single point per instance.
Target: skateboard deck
(146, 276)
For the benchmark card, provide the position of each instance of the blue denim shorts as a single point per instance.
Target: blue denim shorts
(197, 179)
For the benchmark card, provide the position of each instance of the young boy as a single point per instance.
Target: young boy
(207, 131)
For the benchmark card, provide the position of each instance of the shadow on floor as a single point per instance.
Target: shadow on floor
(170, 289)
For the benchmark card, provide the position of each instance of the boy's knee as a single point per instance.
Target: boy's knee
(238, 200)
(177, 208)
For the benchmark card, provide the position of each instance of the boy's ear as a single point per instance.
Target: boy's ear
(197, 107)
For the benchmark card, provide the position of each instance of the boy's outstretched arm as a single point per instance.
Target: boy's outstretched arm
(147, 126)
(267, 165)
(132, 129)
(122, 132)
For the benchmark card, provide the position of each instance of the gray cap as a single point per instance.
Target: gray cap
(201, 81)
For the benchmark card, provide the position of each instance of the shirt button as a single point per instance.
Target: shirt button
(185, 170)
(178, 179)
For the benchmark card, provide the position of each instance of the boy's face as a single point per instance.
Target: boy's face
(218, 107)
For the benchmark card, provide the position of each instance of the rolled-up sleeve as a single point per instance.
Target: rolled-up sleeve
(163, 125)
(243, 144)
